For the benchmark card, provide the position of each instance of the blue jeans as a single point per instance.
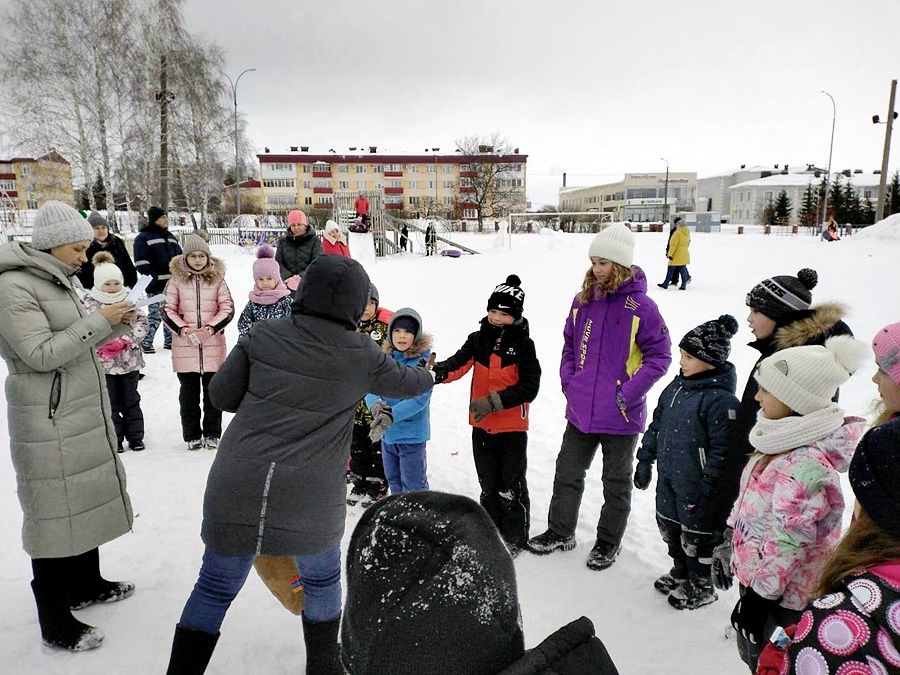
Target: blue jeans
(222, 577)
(404, 466)
(154, 318)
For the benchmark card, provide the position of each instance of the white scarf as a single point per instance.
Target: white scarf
(773, 437)
(105, 298)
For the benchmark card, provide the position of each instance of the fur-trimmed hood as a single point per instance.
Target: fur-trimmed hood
(420, 346)
(213, 274)
(810, 329)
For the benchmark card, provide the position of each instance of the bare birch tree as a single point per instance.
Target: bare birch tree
(486, 176)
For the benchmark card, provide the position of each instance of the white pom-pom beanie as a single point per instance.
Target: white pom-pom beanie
(806, 378)
(615, 243)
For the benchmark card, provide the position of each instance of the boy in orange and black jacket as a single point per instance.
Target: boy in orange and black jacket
(506, 379)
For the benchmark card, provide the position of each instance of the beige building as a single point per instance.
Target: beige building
(423, 184)
(638, 197)
(26, 182)
(251, 197)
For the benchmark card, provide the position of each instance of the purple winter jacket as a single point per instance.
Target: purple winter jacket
(616, 344)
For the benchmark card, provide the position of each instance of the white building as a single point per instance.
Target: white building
(712, 191)
(749, 199)
(639, 197)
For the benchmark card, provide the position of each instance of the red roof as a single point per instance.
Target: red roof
(52, 156)
(375, 158)
(249, 183)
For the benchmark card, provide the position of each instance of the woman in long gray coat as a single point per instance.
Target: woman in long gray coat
(71, 484)
(278, 483)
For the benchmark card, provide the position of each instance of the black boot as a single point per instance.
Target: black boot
(322, 647)
(58, 627)
(87, 586)
(191, 651)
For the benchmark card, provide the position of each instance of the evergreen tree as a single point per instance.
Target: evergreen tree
(768, 214)
(867, 214)
(852, 212)
(809, 207)
(893, 195)
(99, 189)
(836, 199)
(783, 208)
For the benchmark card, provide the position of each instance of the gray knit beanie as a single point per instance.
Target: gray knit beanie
(193, 243)
(58, 224)
(96, 220)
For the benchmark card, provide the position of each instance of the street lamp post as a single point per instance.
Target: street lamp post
(237, 165)
(666, 193)
(830, 150)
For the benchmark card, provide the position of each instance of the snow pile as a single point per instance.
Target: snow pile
(884, 230)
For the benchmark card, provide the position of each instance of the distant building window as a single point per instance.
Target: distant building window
(7, 185)
(344, 185)
(414, 168)
(432, 168)
(305, 168)
(393, 167)
(395, 183)
(26, 171)
(768, 196)
(278, 166)
(448, 201)
(307, 184)
(31, 204)
(379, 168)
(321, 183)
(414, 184)
(414, 201)
(343, 168)
(281, 200)
(360, 168)
(278, 182)
(448, 168)
(307, 201)
(360, 185)
(448, 184)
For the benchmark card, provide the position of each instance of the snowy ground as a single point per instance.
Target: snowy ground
(643, 634)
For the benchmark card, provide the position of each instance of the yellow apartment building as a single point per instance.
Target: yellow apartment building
(423, 184)
(27, 182)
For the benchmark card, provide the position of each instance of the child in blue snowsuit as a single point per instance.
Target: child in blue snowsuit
(689, 436)
(403, 425)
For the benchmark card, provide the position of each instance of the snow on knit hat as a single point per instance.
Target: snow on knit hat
(296, 217)
(154, 213)
(265, 264)
(508, 297)
(431, 588)
(193, 243)
(58, 224)
(711, 341)
(781, 296)
(615, 243)
(875, 475)
(886, 346)
(96, 220)
(806, 378)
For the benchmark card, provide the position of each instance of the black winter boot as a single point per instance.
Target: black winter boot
(87, 586)
(191, 651)
(322, 654)
(58, 627)
(696, 592)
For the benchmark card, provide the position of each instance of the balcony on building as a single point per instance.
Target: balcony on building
(466, 188)
(393, 190)
(467, 174)
(322, 174)
(393, 174)
(322, 190)
(396, 206)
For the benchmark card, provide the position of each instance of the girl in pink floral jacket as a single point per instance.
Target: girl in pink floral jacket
(787, 518)
(121, 358)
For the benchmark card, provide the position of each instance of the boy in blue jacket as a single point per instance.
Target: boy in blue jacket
(689, 436)
(403, 425)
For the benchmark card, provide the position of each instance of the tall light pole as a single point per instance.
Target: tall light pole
(666, 193)
(879, 214)
(237, 161)
(830, 150)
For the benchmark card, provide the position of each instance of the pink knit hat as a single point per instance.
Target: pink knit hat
(265, 264)
(886, 346)
(296, 217)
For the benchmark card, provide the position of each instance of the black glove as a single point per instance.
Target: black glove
(643, 472)
(440, 374)
(750, 614)
(722, 576)
(484, 406)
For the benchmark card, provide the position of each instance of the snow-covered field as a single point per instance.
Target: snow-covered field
(641, 631)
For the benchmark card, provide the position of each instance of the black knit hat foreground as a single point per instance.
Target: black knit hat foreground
(508, 297)
(875, 475)
(711, 341)
(778, 297)
(431, 588)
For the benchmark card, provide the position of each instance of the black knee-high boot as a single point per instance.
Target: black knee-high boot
(322, 647)
(58, 627)
(191, 651)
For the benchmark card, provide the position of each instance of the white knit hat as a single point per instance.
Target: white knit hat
(330, 226)
(105, 269)
(806, 378)
(58, 224)
(615, 243)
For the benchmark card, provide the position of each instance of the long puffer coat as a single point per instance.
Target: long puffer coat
(71, 484)
(295, 253)
(194, 301)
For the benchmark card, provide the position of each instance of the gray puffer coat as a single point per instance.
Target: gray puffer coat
(278, 483)
(71, 484)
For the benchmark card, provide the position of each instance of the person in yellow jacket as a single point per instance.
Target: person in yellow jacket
(679, 255)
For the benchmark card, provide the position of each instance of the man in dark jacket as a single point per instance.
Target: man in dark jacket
(277, 485)
(432, 589)
(154, 248)
(104, 240)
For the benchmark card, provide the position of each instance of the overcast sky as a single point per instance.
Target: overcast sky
(591, 87)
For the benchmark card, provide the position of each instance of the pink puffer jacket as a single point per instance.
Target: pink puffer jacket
(195, 301)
